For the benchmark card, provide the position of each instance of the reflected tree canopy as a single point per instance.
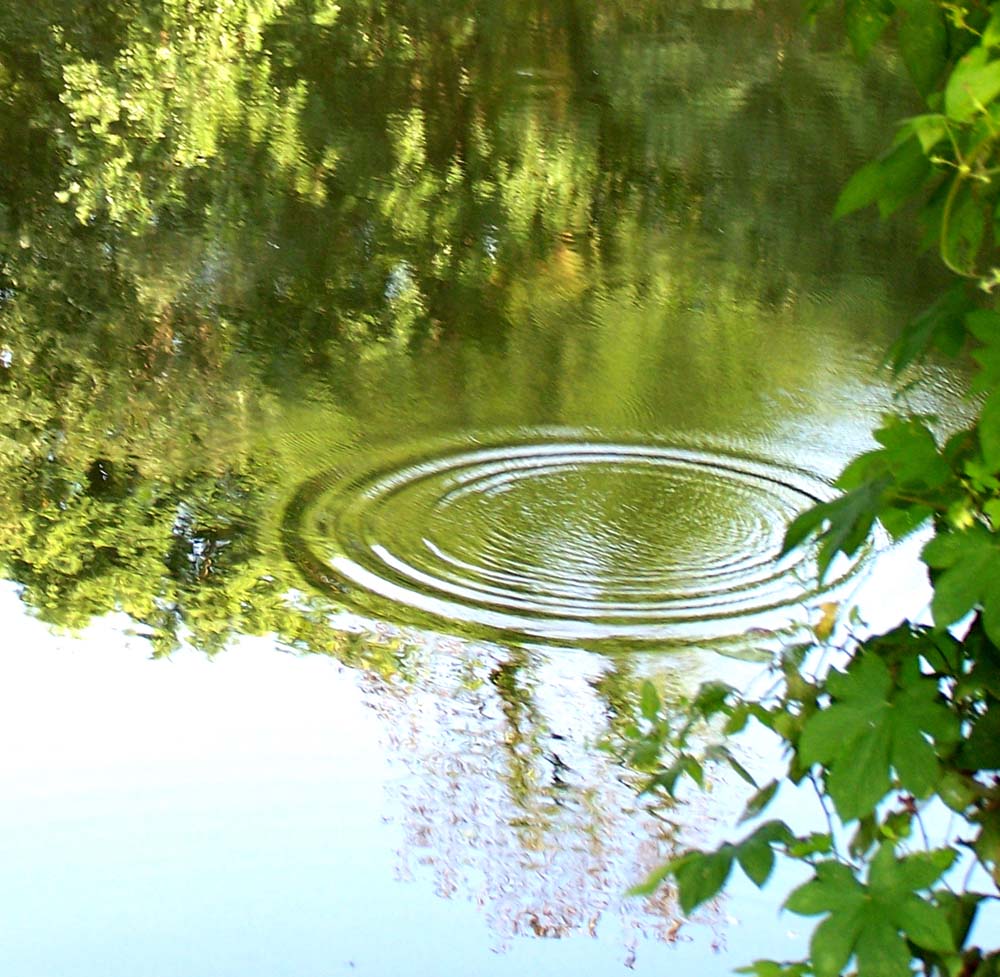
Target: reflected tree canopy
(217, 216)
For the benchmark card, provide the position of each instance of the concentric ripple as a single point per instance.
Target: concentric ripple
(560, 539)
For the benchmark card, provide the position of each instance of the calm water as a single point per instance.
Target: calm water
(477, 353)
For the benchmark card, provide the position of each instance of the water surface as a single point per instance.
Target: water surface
(482, 349)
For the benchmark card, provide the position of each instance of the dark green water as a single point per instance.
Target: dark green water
(477, 345)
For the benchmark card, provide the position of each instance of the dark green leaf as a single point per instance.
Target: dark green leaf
(888, 181)
(923, 42)
(941, 325)
(701, 878)
(760, 800)
(865, 836)
(964, 231)
(866, 20)
(757, 861)
(982, 749)
(712, 697)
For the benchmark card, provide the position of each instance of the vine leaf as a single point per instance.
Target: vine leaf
(870, 921)
(973, 84)
(848, 519)
(971, 564)
(888, 181)
(940, 325)
(872, 727)
(700, 875)
(923, 43)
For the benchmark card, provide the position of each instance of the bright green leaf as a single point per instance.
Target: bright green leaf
(989, 430)
(649, 701)
(973, 84)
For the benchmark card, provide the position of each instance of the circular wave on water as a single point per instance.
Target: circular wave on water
(560, 539)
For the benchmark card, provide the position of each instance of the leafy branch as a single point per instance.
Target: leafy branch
(908, 721)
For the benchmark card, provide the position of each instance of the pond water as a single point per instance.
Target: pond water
(387, 389)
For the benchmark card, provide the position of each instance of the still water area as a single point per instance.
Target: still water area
(386, 391)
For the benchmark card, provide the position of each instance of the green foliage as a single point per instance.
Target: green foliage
(876, 724)
(873, 921)
(908, 720)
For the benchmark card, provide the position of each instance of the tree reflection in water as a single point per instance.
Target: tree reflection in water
(507, 803)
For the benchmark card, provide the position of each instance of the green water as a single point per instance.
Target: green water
(444, 339)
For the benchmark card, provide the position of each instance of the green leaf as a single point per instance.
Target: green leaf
(870, 921)
(760, 800)
(941, 325)
(833, 941)
(924, 924)
(656, 878)
(755, 853)
(923, 43)
(912, 454)
(895, 878)
(971, 564)
(757, 861)
(888, 181)
(833, 889)
(965, 229)
(712, 698)
(973, 84)
(771, 968)
(649, 701)
(875, 724)
(985, 326)
(857, 787)
(982, 749)
(991, 36)
(960, 911)
(865, 21)
(813, 844)
(989, 430)
(881, 951)
(929, 130)
(848, 521)
(721, 752)
(701, 878)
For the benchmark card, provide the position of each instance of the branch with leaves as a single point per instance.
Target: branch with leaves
(908, 724)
